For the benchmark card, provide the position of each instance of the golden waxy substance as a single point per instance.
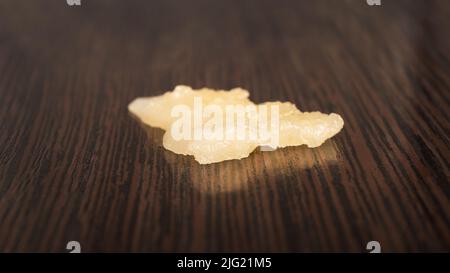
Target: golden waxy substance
(294, 127)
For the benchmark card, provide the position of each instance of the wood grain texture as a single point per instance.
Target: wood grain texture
(74, 165)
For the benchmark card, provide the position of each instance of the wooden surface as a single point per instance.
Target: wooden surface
(74, 165)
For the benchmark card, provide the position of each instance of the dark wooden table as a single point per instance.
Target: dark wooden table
(74, 165)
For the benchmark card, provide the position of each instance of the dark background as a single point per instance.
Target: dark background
(74, 165)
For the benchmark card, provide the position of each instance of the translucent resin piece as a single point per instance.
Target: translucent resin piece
(310, 128)
(155, 111)
(214, 126)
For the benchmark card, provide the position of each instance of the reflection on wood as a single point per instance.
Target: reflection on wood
(234, 175)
